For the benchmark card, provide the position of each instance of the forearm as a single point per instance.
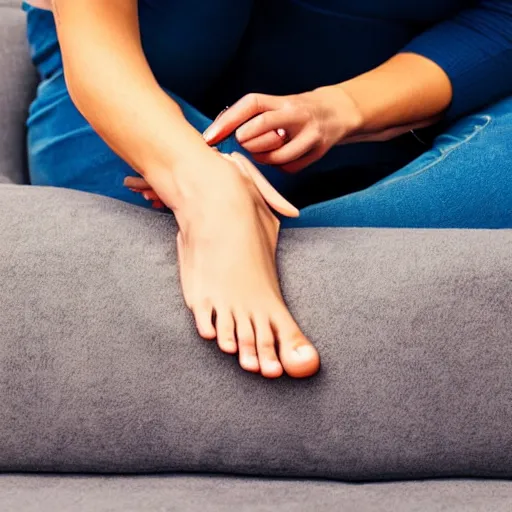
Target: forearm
(406, 90)
(112, 85)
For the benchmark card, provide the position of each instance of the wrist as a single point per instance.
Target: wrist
(181, 174)
(406, 89)
(199, 181)
(342, 114)
(168, 154)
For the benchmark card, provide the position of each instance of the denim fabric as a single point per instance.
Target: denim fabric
(464, 181)
(450, 185)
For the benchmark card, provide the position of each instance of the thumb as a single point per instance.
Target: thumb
(271, 196)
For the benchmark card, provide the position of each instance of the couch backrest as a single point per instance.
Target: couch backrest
(18, 80)
(10, 3)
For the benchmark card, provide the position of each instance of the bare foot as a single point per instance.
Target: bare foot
(230, 283)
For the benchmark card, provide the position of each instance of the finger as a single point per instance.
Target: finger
(266, 122)
(299, 146)
(150, 195)
(303, 162)
(137, 183)
(249, 106)
(271, 196)
(158, 205)
(269, 141)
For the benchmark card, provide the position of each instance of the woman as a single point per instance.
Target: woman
(129, 86)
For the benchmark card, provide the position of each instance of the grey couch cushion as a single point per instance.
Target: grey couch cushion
(17, 85)
(101, 368)
(213, 494)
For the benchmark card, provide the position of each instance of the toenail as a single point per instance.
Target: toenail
(303, 351)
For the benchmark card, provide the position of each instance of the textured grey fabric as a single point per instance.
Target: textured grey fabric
(101, 368)
(17, 85)
(99, 371)
(215, 494)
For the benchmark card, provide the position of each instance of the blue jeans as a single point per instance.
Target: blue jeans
(461, 181)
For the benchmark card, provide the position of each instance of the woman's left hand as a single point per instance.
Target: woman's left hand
(290, 132)
(269, 194)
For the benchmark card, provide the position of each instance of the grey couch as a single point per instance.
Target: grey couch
(102, 373)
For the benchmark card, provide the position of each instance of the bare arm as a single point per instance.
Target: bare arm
(112, 85)
(407, 91)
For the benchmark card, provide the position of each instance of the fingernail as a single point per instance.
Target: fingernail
(145, 195)
(281, 132)
(210, 133)
(221, 112)
(207, 135)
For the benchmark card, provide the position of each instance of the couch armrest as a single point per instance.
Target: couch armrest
(17, 83)
(101, 368)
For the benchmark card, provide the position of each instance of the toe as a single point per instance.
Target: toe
(204, 322)
(298, 356)
(266, 348)
(246, 343)
(225, 327)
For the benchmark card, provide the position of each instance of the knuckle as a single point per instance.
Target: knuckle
(261, 121)
(316, 130)
(252, 99)
(308, 115)
(289, 104)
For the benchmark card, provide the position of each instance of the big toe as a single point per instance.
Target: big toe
(298, 356)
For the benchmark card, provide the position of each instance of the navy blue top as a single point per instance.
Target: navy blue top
(293, 46)
(296, 45)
